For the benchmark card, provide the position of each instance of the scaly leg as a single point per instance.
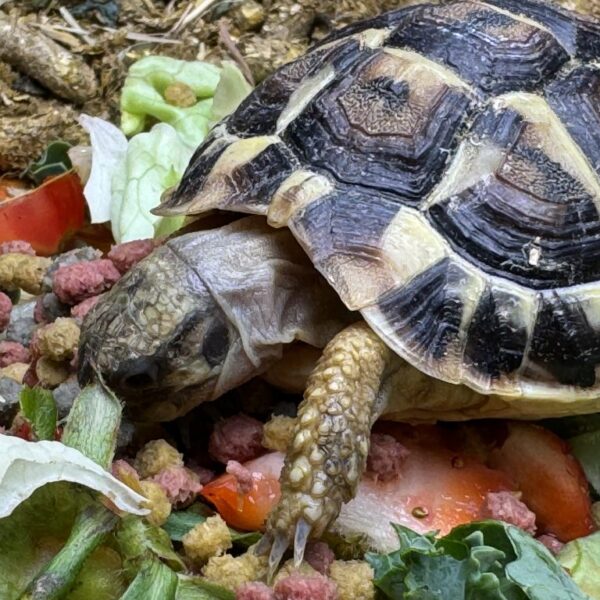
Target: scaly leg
(329, 449)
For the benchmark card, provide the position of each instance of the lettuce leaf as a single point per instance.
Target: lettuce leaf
(27, 466)
(581, 558)
(488, 560)
(39, 409)
(154, 162)
(231, 90)
(109, 146)
(198, 588)
(38, 529)
(128, 179)
(143, 96)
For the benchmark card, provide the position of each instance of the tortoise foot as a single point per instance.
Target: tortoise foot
(328, 452)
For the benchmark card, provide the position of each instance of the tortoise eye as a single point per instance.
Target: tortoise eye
(216, 343)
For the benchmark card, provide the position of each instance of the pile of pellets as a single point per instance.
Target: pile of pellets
(42, 305)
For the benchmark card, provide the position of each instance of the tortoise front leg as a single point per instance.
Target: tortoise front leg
(328, 453)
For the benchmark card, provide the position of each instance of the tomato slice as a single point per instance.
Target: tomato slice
(437, 489)
(45, 216)
(249, 511)
(551, 480)
(10, 188)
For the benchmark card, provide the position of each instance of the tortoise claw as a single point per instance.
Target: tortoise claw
(264, 545)
(276, 545)
(300, 539)
(280, 545)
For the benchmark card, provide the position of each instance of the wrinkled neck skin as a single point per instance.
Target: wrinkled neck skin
(203, 314)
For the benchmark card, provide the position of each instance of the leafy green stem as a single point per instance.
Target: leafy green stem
(92, 526)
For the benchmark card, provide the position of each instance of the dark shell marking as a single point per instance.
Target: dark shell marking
(441, 166)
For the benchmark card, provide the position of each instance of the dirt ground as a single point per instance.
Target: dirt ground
(109, 35)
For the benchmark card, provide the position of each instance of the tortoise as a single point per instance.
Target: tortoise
(440, 167)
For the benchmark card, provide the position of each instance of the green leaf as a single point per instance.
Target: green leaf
(39, 409)
(143, 96)
(54, 161)
(91, 528)
(154, 162)
(35, 532)
(93, 424)
(179, 523)
(154, 581)
(489, 560)
(139, 542)
(132, 177)
(197, 588)
(231, 91)
(582, 559)
(586, 448)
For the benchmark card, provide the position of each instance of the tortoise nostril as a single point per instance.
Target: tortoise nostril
(138, 374)
(138, 381)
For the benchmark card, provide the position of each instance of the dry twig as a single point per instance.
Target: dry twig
(234, 52)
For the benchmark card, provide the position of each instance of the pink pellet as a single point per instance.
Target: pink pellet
(77, 282)
(505, 506)
(242, 475)
(180, 484)
(319, 556)
(5, 310)
(17, 247)
(553, 544)
(13, 352)
(386, 456)
(125, 255)
(79, 311)
(254, 591)
(305, 587)
(236, 438)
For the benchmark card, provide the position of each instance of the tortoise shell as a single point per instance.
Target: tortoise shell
(440, 164)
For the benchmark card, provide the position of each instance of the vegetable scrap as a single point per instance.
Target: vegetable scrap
(481, 558)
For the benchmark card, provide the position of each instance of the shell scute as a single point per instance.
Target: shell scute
(258, 114)
(530, 215)
(388, 124)
(498, 334)
(575, 98)
(578, 34)
(494, 51)
(564, 346)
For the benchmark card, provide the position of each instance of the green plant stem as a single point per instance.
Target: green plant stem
(91, 528)
(154, 581)
(93, 424)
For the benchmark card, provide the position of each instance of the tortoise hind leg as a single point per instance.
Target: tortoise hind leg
(329, 450)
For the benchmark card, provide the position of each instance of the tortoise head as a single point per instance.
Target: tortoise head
(204, 313)
(158, 338)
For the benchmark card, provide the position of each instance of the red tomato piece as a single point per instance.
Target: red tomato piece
(247, 511)
(437, 489)
(551, 480)
(45, 216)
(10, 188)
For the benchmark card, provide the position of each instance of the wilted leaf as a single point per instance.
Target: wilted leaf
(27, 466)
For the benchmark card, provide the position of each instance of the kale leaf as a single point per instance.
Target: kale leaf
(489, 560)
